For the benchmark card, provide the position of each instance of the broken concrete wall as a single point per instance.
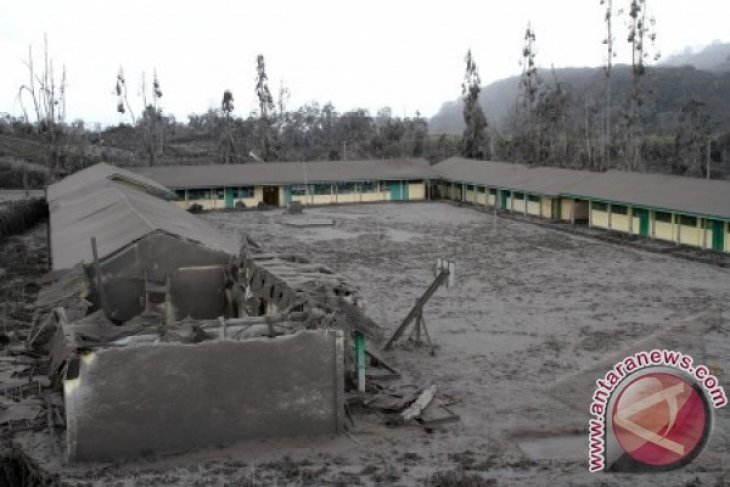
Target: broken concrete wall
(160, 254)
(170, 397)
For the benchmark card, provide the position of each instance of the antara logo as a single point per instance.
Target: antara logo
(652, 412)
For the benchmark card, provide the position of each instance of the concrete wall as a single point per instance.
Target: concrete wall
(417, 191)
(546, 207)
(171, 397)
(620, 222)
(481, 196)
(599, 218)
(160, 255)
(491, 199)
(664, 231)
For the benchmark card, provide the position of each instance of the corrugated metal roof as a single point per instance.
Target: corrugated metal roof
(263, 173)
(118, 216)
(658, 191)
(102, 170)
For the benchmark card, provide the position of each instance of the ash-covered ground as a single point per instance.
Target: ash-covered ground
(531, 305)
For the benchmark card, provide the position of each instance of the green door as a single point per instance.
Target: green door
(228, 195)
(395, 191)
(287, 195)
(502, 199)
(718, 235)
(404, 194)
(643, 222)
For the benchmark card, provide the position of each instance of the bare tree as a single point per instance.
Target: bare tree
(227, 146)
(151, 121)
(48, 96)
(123, 105)
(692, 139)
(527, 126)
(266, 105)
(608, 41)
(641, 29)
(475, 140)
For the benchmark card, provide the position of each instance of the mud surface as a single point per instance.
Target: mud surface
(531, 305)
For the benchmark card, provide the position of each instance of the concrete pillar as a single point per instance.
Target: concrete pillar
(630, 216)
(590, 213)
(609, 216)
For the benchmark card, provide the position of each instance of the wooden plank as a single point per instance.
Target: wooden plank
(378, 360)
(419, 404)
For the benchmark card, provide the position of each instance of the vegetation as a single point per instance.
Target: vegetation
(669, 118)
(475, 141)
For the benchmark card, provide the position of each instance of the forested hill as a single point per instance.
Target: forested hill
(715, 57)
(673, 86)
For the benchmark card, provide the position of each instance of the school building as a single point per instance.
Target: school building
(681, 210)
(228, 186)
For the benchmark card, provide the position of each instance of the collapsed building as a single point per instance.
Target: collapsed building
(154, 333)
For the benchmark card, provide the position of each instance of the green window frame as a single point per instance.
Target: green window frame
(243, 192)
(300, 190)
(322, 189)
(688, 220)
(199, 194)
(368, 187)
(346, 188)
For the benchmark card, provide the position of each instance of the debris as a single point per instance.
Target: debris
(419, 404)
(444, 276)
(310, 222)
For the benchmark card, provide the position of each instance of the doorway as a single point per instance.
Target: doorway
(271, 195)
(643, 221)
(718, 236)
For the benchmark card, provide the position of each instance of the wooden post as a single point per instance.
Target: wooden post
(360, 360)
(97, 272)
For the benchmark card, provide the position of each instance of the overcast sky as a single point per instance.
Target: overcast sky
(404, 54)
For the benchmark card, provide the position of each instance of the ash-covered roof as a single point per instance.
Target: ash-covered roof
(657, 191)
(102, 170)
(660, 191)
(548, 181)
(263, 173)
(118, 215)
